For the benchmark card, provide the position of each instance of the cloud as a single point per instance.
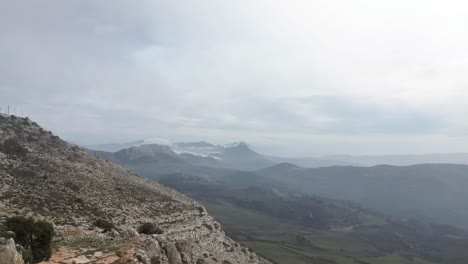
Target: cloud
(277, 73)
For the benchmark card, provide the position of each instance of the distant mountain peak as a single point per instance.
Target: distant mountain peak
(147, 152)
(239, 150)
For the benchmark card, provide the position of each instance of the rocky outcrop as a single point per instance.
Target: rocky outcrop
(45, 177)
(8, 252)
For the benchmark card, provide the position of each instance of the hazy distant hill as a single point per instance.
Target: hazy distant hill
(239, 155)
(400, 160)
(434, 192)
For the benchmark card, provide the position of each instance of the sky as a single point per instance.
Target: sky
(292, 78)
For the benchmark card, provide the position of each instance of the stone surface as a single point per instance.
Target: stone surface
(9, 254)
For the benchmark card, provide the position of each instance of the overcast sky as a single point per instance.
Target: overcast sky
(289, 77)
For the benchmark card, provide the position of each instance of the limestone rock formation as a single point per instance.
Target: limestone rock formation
(8, 252)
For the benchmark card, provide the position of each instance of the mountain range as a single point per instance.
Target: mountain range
(235, 156)
(240, 155)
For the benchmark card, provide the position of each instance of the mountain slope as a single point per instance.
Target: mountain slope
(44, 177)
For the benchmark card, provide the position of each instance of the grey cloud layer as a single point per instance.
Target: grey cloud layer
(331, 74)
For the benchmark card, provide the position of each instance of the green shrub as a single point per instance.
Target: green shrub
(104, 224)
(34, 236)
(149, 229)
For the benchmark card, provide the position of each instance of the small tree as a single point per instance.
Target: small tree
(34, 236)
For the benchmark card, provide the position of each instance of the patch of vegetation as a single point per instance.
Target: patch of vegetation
(106, 225)
(149, 229)
(13, 148)
(34, 236)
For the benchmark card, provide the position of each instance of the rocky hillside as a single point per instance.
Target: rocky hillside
(44, 177)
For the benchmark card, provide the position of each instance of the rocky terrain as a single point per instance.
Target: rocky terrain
(44, 177)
